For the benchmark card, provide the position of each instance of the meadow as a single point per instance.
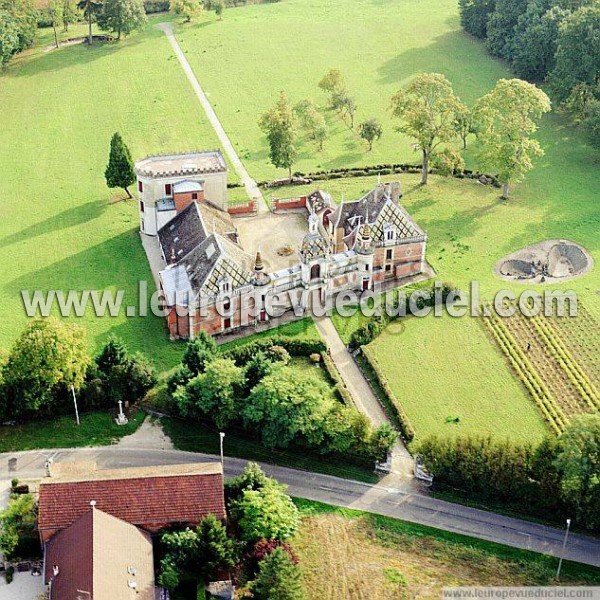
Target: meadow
(61, 228)
(350, 554)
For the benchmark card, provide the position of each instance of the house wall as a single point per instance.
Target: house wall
(215, 192)
(184, 199)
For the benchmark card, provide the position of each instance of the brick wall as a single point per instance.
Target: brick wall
(184, 199)
(249, 208)
(289, 203)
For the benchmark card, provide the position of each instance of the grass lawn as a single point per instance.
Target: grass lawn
(96, 429)
(445, 368)
(406, 560)
(302, 329)
(61, 227)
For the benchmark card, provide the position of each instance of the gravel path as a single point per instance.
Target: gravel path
(251, 188)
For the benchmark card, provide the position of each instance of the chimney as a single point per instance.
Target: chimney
(393, 191)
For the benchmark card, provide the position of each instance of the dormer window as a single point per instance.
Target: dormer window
(225, 286)
(389, 232)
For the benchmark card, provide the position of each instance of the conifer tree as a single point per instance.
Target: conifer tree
(119, 171)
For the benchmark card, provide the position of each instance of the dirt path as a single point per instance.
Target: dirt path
(251, 188)
(149, 436)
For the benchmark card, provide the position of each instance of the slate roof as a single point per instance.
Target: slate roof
(182, 233)
(350, 215)
(379, 210)
(201, 271)
(313, 246)
(149, 498)
(94, 554)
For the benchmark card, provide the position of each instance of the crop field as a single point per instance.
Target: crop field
(346, 554)
(580, 335)
(542, 361)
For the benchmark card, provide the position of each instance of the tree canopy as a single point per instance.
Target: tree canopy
(45, 361)
(122, 17)
(427, 109)
(280, 127)
(278, 578)
(505, 119)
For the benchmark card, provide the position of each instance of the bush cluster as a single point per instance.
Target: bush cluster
(301, 178)
(252, 387)
(558, 477)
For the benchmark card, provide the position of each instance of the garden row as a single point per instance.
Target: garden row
(579, 334)
(574, 372)
(527, 373)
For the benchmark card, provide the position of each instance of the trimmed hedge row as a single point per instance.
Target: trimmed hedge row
(334, 374)
(383, 169)
(406, 427)
(296, 347)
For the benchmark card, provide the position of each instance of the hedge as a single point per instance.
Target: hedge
(334, 374)
(383, 169)
(296, 347)
(406, 427)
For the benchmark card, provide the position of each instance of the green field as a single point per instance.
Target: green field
(61, 228)
(445, 368)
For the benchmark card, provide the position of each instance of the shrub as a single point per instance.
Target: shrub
(156, 6)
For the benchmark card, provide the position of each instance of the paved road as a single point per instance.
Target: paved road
(383, 498)
(362, 394)
(253, 191)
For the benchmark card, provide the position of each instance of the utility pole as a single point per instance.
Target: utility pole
(563, 548)
(75, 403)
(221, 437)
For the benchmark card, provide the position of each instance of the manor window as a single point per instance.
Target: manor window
(168, 189)
(140, 186)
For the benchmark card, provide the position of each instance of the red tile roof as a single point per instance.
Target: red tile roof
(150, 498)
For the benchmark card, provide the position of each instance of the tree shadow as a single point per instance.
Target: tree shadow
(449, 54)
(72, 217)
(75, 55)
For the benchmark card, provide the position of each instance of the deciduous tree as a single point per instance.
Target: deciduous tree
(505, 119)
(187, 8)
(474, 15)
(119, 171)
(578, 52)
(122, 16)
(287, 406)
(46, 360)
(312, 121)
(279, 125)
(427, 109)
(370, 131)
(91, 9)
(267, 513)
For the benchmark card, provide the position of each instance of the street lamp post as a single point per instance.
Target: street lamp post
(75, 403)
(221, 437)
(563, 548)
